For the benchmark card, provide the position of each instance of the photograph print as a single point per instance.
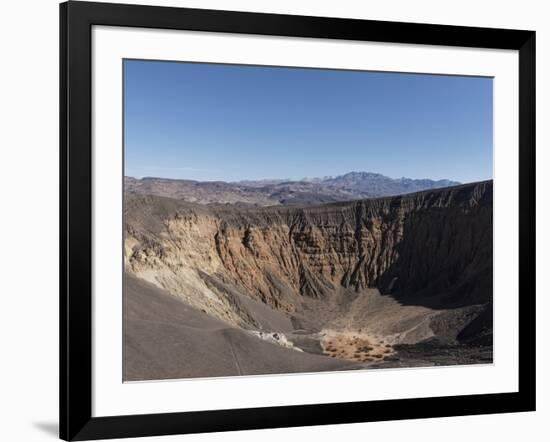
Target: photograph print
(283, 220)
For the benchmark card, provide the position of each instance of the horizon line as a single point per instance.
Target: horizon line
(303, 179)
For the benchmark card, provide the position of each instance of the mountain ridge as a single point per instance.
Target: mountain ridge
(350, 186)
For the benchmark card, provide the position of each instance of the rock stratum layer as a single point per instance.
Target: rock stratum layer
(403, 269)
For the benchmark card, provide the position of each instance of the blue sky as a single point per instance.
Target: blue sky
(230, 122)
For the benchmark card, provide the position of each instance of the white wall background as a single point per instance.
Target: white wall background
(29, 217)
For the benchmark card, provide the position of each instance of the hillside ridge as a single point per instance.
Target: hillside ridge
(352, 185)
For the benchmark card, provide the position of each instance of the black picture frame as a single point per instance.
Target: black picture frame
(76, 21)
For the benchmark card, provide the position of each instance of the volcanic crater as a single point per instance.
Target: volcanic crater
(223, 290)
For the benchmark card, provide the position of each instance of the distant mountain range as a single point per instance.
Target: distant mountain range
(352, 185)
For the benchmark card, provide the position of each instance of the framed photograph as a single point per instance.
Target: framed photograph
(273, 220)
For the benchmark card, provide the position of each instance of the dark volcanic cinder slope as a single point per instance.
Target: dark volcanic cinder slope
(166, 339)
(402, 269)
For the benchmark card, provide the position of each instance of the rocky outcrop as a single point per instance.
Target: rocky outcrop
(431, 248)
